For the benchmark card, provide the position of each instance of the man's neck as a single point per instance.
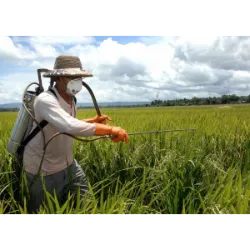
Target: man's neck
(67, 98)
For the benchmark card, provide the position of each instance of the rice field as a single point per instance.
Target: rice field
(206, 171)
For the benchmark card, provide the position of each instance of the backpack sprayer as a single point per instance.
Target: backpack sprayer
(25, 119)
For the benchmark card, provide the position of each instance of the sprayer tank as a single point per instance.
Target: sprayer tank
(23, 123)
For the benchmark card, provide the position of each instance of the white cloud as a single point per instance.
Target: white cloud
(8, 49)
(45, 51)
(164, 67)
(13, 85)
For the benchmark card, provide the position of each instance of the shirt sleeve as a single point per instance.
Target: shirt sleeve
(49, 109)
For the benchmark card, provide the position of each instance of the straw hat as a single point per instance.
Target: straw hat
(67, 66)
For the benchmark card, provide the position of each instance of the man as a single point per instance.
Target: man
(56, 165)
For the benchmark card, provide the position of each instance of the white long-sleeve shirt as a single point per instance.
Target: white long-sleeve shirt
(58, 155)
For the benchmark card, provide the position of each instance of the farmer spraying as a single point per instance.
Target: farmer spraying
(41, 142)
(57, 106)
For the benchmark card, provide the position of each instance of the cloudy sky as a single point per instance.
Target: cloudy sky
(132, 68)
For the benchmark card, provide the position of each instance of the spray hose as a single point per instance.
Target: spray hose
(110, 136)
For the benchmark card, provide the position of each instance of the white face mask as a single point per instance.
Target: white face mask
(74, 86)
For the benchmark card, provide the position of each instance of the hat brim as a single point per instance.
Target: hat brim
(68, 72)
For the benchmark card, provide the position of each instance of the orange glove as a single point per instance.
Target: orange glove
(99, 119)
(117, 133)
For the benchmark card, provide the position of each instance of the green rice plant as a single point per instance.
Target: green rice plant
(206, 171)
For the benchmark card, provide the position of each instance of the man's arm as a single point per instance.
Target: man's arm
(49, 108)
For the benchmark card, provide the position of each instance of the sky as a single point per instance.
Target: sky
(132, 68)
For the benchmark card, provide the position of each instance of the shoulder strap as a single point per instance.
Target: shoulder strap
(75, 100)
(36, 130)
(53, 92)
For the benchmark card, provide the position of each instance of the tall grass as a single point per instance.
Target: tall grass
(206, 171)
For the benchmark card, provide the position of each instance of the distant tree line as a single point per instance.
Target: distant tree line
(224, 99)
(9, 109)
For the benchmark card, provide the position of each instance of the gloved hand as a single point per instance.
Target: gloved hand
(99, 119)
(117, 133)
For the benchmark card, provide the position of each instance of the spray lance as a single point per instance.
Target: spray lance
(109, 136)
